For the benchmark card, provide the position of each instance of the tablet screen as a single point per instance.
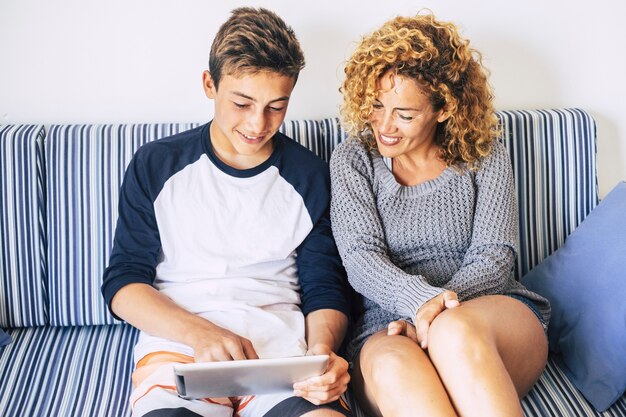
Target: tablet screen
(245, 377)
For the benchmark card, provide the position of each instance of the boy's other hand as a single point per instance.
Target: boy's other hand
(218, 344)
(329, 386)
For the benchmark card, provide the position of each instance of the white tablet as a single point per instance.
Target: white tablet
(245, 377)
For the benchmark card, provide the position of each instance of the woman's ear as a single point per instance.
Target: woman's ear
(443, 115)
(209, 86)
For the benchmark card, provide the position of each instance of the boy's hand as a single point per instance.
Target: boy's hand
(329, 386)
(218, 344)
(146, 308)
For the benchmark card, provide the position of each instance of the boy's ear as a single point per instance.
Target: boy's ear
(209, 86)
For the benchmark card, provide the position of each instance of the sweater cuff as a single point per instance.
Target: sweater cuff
(414, 295)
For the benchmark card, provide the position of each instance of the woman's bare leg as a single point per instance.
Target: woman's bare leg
(394, 377)
(488, 352)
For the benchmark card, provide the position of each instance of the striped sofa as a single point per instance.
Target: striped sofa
(58, 199)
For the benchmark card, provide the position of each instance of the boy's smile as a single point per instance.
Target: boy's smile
(249, 109)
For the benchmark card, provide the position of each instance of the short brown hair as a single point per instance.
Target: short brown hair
(442, 63)
(254, 40)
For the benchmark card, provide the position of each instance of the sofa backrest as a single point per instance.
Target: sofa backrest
(553, 153)
(85, 168)
(23, 299)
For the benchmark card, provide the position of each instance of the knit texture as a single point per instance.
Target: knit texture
(403, 245)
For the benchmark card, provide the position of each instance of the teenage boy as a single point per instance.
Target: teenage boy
(223, 248)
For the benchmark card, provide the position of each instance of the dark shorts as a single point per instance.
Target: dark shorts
(296, 406)
(533, 307)
(291, 407)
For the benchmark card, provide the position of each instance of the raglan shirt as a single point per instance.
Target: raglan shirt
(249, 250)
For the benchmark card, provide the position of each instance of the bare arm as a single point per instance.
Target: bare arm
(325, 330)
(152, 312)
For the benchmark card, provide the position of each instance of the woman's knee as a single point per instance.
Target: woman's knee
(457, 334)
(383, 358)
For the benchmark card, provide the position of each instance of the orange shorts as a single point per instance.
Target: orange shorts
(154, 388)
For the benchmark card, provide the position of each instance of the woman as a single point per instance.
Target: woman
(425, 217)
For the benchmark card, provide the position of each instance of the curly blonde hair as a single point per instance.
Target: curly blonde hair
(441, 62)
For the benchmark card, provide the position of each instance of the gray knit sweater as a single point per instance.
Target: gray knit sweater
(402, 246)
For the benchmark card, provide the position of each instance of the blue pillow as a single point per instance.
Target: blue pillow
(5, 339)
(585, 281)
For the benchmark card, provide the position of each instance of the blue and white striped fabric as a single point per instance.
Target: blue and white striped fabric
(85, 168)
(320, 136)
(67, 371)
(555, 396)
(23, 298)
(554, 162)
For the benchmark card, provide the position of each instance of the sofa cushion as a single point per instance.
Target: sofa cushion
(553, 153)
(85, 167)
(22, 227)
(70, 371)
(5, 339)
(555, 396)
(585, 281)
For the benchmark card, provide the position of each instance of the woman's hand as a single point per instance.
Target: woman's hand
(429, 311)
(330, 385)
(402, 328)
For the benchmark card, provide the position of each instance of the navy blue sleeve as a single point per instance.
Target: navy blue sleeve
(137, 245)
(320, 271)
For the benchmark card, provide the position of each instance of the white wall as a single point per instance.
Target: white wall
(116, 61)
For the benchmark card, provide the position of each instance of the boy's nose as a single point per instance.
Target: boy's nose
(258, 122)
